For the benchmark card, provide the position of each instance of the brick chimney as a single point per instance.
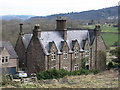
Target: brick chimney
(21, 29)
(61, 25)
(37, 31)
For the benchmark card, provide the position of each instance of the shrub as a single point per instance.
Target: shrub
(110, 65)
(53, 73)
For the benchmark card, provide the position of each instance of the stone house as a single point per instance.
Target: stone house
(8, 58)
(60, 48)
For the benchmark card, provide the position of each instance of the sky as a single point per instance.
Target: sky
(48, 7)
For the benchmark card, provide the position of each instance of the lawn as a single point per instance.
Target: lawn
(110, 38)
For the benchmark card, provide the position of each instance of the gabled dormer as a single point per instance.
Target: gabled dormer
(86, 47)
(75, 48)
(64, 49)
(53, 51)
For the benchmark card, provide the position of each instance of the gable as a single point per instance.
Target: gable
(52, 46)
(64, 46)
(5, 52)
(9, 48)
(100, 43)
(75, 45)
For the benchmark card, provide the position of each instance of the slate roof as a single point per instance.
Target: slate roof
(9, 47)
(26, 39)
(1, 49)
(56, 36)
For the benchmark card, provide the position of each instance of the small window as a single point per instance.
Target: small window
(53, 56)
(86, 53)
(76, 67)
(2, 59)
(65, 55)
(6, 59)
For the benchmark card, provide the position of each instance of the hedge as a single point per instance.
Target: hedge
(53, 73)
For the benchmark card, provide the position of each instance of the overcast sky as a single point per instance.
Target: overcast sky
(48, 7)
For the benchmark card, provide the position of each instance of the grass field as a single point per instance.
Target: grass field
(110, 38)
(104, 28)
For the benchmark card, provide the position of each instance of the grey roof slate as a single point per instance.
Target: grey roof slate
(26, 39)
(1, 49)
(56, 36)
(9, 47)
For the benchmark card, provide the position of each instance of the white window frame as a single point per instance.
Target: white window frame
(76, 67)
(53, 56)
(87, 53)
(76, 53)
(4, 58)
(65, 55)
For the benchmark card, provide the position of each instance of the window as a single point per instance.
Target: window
(53, 56)
(76, 67)
(65, 55)
(2, 59)
(86, 53)
(76, 53)
(5, 59)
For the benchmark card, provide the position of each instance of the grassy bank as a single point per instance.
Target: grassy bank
(106, 79)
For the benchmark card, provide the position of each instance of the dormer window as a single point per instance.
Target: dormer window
(53, 56)
(65, 54)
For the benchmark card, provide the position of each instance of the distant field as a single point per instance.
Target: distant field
(104, 28)
(110, 38)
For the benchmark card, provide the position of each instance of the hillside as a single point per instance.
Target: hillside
(10, 17)
(10, 24)
(105, 13)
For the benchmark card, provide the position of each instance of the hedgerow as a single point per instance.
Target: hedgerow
(53, 73)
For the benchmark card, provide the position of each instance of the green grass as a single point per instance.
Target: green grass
(104, 28)
(110, 38)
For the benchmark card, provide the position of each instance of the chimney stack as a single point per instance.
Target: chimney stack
(61, 23)
(97, 30)
(21, 29)
(37, 31)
